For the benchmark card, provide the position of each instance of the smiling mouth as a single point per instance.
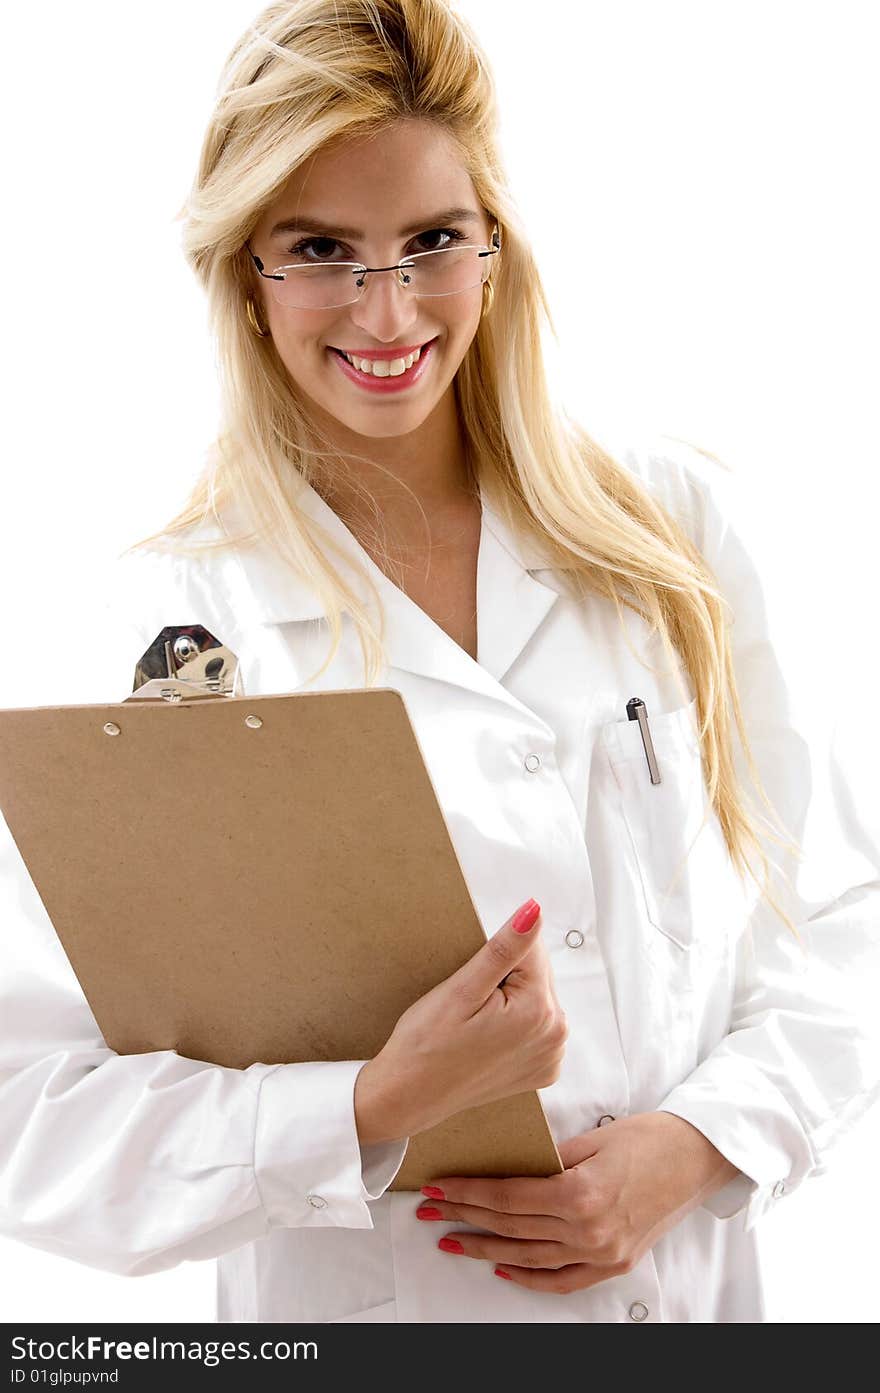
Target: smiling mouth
(373, 357)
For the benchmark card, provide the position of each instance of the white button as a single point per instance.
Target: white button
(574, 938)
(779, 1189)
(606, 1117)
(638, 1311)
(532, 762)
(317, 1201)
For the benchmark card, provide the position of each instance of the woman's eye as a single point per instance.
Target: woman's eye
(451, 233)
(300, 247)
(320, 248)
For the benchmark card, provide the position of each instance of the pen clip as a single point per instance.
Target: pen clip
(636, 710)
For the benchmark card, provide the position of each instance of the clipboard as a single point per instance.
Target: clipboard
(253, 878)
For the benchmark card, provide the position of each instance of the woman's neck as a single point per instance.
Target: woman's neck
(408, 486)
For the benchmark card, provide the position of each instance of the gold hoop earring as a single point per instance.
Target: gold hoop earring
(488, 296)
(253, 321)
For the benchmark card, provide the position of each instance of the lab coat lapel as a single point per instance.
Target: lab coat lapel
(511, 601)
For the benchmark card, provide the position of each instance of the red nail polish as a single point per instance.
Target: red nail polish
(427, 1212)
(526, 916)
(499, 1273)
(432, 1192)
(450, 1245)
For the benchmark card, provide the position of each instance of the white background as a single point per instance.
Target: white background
(699, 180)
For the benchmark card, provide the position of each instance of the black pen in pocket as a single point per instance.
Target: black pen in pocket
(636, 710)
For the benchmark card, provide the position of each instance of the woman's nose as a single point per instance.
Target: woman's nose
(385, 306)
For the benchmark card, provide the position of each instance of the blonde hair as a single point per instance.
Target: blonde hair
(311, 72)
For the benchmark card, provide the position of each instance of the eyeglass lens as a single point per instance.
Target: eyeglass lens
(330, 284)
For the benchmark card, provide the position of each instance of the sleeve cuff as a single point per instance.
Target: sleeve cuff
(380, 1163)
(753, 1126)
(310, 1169)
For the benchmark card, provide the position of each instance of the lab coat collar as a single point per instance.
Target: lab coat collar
(511, 598)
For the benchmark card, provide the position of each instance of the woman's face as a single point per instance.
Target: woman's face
(379, 186)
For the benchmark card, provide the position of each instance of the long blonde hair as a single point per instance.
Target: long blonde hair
(314, 71)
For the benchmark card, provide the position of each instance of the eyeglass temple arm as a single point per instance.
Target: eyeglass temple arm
(259, 265)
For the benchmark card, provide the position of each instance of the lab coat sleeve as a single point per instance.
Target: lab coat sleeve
(801, 1062)
(136, 1163)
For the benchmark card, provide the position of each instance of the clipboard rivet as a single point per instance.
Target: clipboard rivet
(253, 721)
(111, 728)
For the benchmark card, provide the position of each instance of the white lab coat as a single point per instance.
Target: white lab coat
(138, 1163)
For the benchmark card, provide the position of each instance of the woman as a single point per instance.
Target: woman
(695, 1036)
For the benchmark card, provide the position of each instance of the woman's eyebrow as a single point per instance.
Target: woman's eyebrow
(303, 222)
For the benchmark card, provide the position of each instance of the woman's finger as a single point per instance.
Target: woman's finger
(532, 1226)
(575, 1276)
(520, 1252)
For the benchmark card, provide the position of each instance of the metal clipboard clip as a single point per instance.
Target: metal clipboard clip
(186, 663)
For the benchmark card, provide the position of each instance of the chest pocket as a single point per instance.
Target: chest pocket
(676, 840)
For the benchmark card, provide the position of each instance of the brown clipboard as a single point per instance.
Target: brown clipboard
(274, 889)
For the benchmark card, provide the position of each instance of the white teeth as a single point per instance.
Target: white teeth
(384, 367)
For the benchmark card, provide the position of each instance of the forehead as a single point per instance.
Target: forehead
(378, 182)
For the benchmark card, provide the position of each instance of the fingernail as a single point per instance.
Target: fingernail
(432, 1192)
(499, 1273)
(450, 1245)
(426, 1212)
(526, 916)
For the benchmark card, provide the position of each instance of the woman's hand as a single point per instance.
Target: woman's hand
(492, 1029)
(625, 1184)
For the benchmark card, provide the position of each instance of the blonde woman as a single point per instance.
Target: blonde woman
(394, 499)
